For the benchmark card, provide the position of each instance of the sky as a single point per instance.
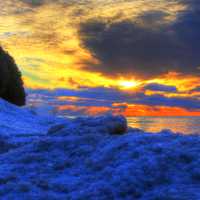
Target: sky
(131, 57)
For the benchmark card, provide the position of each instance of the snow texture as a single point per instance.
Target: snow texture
(93, 159)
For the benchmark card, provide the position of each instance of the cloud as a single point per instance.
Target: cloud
(109, 98)
(196, 89)
(161, 100)
(143, 50)
(152, 18)
(160, 87)
(34, 3)
(64, 3)
(71, 102)
(47, 30)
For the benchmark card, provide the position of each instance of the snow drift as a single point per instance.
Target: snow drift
(87, 158)
(20, 121)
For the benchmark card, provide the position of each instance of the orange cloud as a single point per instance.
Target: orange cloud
(144, 110)
(89, 110)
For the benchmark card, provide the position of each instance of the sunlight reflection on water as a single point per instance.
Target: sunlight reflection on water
(186, 125)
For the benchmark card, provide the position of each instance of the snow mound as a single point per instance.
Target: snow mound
(107, 124)
(93, 166)
(18, 121)
(87, 158)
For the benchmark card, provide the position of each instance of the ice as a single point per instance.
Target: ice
(90, 159)
(18, 121)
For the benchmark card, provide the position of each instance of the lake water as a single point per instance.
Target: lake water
(186, 125)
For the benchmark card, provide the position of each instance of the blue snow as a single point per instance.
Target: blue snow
(93, 158)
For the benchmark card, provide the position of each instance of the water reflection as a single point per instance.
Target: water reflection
(186, 125)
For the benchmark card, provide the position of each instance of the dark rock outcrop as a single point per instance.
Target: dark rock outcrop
(11, 84)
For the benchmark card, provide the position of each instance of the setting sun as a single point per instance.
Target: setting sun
(128, 84)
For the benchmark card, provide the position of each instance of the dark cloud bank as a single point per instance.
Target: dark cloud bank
(107, 96)
(161, 88)
(147, 47)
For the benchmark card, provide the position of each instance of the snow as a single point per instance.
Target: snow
(18, 121)
(93, 158)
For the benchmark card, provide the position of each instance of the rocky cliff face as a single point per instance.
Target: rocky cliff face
(11, 84)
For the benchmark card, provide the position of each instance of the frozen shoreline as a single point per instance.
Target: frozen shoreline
(92, 158)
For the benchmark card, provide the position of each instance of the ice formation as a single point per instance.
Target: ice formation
(90, 159)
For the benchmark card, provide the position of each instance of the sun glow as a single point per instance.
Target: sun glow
(128, 84)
